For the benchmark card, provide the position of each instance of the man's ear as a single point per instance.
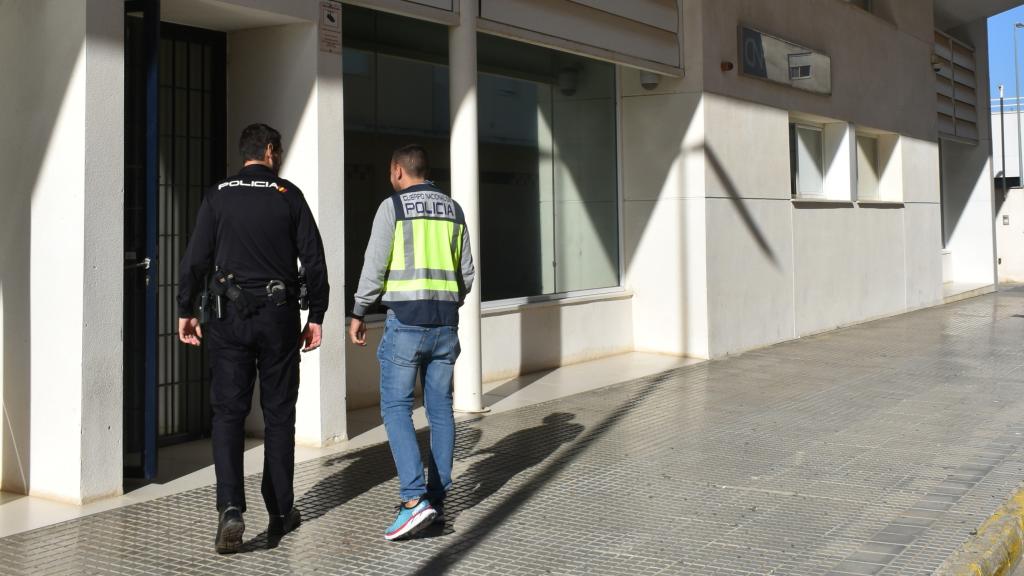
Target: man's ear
(268, 153)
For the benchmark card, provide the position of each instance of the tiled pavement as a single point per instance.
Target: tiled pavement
(870, 450)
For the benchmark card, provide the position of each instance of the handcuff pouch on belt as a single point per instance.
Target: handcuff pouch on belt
(277, 293)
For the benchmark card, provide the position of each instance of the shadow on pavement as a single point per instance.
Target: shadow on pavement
(472, 536)
(506, 459)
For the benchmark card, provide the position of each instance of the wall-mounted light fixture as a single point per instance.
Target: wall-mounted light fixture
(649, 80)
(727, 66)
(568, 81)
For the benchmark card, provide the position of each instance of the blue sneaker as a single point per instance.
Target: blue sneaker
(410, 520)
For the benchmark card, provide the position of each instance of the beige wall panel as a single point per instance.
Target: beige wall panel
(920, 170)
(747, 149)
(661, 146)
(662, 14)
(924, 255)
(666, 268)
(516, 342)
(913, 17)
(750, 274)
(586, 26)
(849, 266)
(865, 73)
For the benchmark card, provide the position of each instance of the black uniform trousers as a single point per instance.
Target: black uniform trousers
(266, 343)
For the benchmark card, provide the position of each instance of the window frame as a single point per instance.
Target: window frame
(796, 125)
(620, 243)
(878, 175)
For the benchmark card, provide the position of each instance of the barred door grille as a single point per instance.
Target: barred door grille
(192, 150)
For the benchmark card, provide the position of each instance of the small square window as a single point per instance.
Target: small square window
(868, 176)
(799, 66)
(807, 159)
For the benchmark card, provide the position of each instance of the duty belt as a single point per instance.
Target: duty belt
(225, 285)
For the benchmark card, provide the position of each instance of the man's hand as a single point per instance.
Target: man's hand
(311, 336)
(189, 331)
(357, 332)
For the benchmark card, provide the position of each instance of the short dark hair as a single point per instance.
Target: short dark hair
(252, 144)
(413, 159)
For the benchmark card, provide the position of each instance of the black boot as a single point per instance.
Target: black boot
(229, 531)
(281, 524)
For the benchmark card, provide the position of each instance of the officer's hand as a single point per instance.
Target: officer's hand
(311, 336)
(357, 332)
(189, 331)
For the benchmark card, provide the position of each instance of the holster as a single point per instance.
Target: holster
(224, 285)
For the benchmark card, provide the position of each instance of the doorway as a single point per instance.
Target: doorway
(175, 125)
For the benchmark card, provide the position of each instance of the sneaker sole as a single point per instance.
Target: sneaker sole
(414, 525)
(230, 540)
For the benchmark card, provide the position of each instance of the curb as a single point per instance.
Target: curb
(996, 547)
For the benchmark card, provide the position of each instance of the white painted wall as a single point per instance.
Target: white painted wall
(103, 309)
(777, 269)
(518, 340)
(1012, 157)
(922, 220)
(61, 139)
(899, 35)
(664, 221)
(278, 76)
(967, 190)
(750, 225)
(1010, 236)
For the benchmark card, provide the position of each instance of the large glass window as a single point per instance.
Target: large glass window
(548, 171)
(396, 93)
(549, 216)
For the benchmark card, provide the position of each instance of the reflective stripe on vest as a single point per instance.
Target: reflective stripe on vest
(426, 257)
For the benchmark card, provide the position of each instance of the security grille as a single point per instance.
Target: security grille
(956, 88)
(192, 152)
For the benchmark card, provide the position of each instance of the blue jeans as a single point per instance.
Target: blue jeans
(430, 353)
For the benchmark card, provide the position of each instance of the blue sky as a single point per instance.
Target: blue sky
(1000, 46)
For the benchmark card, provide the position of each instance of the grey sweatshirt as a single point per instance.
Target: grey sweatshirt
(428, 308)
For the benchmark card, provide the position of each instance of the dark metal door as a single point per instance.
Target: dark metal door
(174, 147)
(142, 29)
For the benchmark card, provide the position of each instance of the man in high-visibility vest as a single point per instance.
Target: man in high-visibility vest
(418, 263)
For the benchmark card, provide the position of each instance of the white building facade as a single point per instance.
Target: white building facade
(685, 177)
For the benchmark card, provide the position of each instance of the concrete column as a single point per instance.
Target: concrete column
(61, 257)
(308, 112)
(466, 191)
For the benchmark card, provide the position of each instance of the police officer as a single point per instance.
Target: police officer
(250, 232)
(419, 264)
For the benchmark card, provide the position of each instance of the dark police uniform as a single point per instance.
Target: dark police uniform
(255, 225)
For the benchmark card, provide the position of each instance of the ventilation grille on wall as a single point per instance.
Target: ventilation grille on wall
(955, 88)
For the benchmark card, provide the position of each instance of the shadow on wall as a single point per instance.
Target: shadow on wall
(967, 169)
(737, 200)
(274, 50)
(26, 132)
(657, 164)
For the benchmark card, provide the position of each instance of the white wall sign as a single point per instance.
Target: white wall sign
(776, 60)
(330, 26)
